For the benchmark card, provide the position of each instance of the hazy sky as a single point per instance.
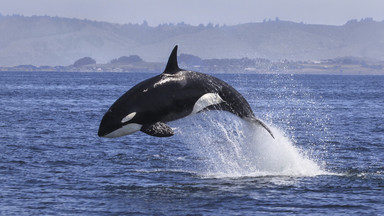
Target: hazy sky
(230, 12)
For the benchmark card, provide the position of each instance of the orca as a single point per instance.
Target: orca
(172, 95)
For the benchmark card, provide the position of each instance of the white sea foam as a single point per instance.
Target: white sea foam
(230, 147)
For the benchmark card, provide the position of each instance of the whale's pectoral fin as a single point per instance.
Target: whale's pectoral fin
(159, 129)
(259, 122)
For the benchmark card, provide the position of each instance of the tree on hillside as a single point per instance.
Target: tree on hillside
(127, 60)
(84, 61)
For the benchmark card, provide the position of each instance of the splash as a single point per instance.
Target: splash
(227, 146)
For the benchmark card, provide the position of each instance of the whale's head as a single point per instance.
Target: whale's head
(124, 115)
(118, 122)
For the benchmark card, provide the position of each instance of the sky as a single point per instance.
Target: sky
(195, 12)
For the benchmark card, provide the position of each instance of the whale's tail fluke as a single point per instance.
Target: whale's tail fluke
(259, 122)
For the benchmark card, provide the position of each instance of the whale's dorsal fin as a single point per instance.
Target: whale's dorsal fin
(172, 66)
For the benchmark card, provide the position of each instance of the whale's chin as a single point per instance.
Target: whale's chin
(125, 130)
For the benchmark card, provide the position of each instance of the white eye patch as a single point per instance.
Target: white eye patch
(128, 117)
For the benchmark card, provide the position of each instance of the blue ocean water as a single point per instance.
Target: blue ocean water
(327, 157)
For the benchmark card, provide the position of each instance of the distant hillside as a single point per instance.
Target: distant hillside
(60, 41)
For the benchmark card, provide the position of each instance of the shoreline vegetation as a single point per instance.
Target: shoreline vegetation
(338, 66)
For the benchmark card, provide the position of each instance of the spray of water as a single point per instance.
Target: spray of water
(227, 146)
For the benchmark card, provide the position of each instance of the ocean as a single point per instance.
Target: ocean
(327, 158)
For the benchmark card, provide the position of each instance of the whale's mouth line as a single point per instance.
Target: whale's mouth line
(126, 129)
(104, 130)
(102, 134)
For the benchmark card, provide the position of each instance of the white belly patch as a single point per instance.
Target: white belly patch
(206, 100)
(125, 130)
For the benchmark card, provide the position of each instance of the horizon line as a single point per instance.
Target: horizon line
(145, 22)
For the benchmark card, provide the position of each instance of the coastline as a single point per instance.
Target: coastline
(329, 67)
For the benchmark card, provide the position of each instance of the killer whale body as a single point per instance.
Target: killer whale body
(174, 94)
